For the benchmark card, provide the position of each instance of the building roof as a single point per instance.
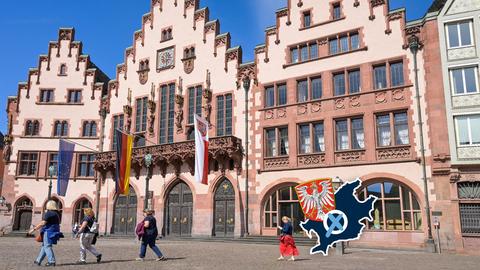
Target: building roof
(437, 5)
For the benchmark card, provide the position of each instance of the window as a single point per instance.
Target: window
(304, 53)
(354, 83)
(396, 209)
(89, 129)
(63, 70)
(468, 193)
(167, 113)
(167, 34)
(459, 34)
(32, 128)
(79, 207)
(189, 52)
(302, 91)
(311, 138)
(337, 11)
(307, 19)
(53, 161)
(141, 114)
(60, 129)
(464, 80)
(395, 133)
(275, 95)
(339, 84)
(118, 121)
(349, 126)
(85, 165)
(294, 55)
(380, 76)
(468, 130)
(74, 96)
(344, 43)
(46, 96)
(224, 115)
(396, 74)
(313, 51)
(276, 138)
(144, 65)
(282, 201)
(194, 102)
(28, 164)
(316, 84)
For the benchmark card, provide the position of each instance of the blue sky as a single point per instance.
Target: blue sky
(106, 27)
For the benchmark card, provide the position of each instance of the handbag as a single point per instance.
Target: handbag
(39, 238)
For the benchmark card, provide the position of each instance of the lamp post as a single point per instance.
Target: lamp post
(414, 45)
(246, 87)
(148, 164)
(51, 171)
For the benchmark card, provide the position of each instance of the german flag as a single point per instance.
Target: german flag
(124, 158)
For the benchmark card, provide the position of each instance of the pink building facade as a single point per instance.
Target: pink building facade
(330, 93)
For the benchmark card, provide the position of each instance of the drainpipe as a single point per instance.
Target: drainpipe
(414, 46)
(103, 115)
(246, 87)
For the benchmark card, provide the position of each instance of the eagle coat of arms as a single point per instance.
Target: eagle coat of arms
(316, 198)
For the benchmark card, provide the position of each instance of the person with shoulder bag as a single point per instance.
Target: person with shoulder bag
(148, 235)
(87, 234)
(49, 234)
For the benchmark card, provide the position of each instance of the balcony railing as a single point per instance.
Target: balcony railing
(222, 150)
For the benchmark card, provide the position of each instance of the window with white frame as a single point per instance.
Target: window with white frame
(468, 129)
(464, 80)
(459, 34)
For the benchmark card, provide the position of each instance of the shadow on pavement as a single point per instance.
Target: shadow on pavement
(117, 261)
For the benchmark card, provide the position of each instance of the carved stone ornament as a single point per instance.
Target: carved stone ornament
(179, 113)
(355, 101)
(7, 149)
(381, 97)
(316, 107)
(339, 103)
(143, 76)
(302, 109)
(188, 64)
(398, 94)
(269, 114)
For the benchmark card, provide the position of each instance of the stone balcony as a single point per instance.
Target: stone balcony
(222, 151)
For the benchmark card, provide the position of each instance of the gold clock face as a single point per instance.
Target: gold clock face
(166, 58)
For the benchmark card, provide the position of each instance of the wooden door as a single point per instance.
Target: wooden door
(125, 213)
(25, 220)
(23, 215)
(179, 211)
(224, 223)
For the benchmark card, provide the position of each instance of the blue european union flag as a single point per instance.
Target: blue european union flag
(65, 157)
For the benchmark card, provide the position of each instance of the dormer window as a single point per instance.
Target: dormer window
(307, 19)
(167, 34)
(189, 52)
(63, 70)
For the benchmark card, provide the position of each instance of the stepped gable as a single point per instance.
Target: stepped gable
(66, 39)
(200, 21)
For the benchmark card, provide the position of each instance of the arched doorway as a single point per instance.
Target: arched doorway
(125, 213)
(78, 214)
(23, 214)
(224, 209)
(59, 207)
(281, 202)
(179, 211)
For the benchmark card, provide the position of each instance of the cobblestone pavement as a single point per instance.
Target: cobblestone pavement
(19, 253)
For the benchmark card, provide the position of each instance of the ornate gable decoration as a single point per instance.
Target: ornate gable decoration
(165, 59)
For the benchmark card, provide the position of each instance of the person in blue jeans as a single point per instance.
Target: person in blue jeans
(149, 236)
(50, 231)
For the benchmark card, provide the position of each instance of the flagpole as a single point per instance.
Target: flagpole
(103, 115)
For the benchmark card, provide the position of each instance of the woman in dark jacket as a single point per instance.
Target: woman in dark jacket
(50, 231)
(287, 244)
(149, 236)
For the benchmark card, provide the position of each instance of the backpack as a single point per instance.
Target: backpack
(140, 230)
(94, 228)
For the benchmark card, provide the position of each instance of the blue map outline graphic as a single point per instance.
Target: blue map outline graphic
(355, 210)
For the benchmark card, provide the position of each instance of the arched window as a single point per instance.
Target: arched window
(63, 69)
(93, 129)
(86, 129)
(282, 201)
(29, 128)
(78, 214)
(64, 128)
(397, 207)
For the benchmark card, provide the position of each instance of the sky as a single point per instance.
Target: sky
(106, 28)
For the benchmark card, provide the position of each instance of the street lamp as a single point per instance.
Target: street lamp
(148, 164)
(51, 171)
(246, 87)
(415, 45)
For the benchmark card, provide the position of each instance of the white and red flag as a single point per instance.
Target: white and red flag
(201, 150)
